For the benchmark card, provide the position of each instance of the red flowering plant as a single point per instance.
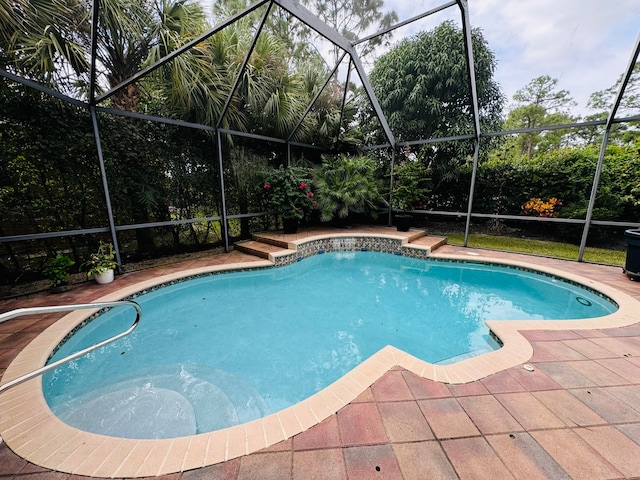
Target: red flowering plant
(287, 190)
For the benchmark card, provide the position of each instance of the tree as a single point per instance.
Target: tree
(541, 91)
(602, 102)
(293, 34)
(51, 41)
(352, 18)
(423, 86)
(38, 39)
(540, 103)
(269, 99)
(133, 33)
(424, 91)
(630, 101)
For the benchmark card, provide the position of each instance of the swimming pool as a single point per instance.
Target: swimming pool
(32, 431)
(188, 365)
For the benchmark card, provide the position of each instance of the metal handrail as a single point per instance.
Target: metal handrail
(64, 308)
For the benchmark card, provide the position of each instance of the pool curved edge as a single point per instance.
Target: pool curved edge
(33, 432)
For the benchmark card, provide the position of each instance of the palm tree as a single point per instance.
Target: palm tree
(50, 40)
(133, 33)
(347, 185)
(274, 96)
(269, 98)
(195, 85)
(38, 39)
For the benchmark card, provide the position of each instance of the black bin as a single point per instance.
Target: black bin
(632, 264)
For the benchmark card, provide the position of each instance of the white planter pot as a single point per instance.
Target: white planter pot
(106, 277)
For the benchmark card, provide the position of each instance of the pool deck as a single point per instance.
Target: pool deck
(576, 415)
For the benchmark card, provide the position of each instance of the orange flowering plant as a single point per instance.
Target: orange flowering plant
(537, 207)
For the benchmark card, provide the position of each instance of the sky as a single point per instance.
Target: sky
(585, 44)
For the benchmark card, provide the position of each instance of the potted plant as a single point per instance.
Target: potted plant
(101, 264)
(287, 191)
(58, 271)
(347, 185)
(411, 187)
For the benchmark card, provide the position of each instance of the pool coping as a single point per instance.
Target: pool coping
(33, 432)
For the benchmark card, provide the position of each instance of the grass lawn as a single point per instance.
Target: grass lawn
(540, 247)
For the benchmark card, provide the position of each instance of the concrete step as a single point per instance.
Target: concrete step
(259, 249)
(277, 239)
(413, 235)
(428, 242)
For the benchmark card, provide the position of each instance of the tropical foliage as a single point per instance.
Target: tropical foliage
(347, 185)
(103, 260)
(512, 184)
(58, 270)
(424, 92)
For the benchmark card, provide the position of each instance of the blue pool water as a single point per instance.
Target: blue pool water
(225, 349)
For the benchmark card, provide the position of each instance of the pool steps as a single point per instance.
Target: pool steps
(259, 249)
(277, 245)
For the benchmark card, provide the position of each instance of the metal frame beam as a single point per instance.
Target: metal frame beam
(309, 19)
(372, 98)
(454, 138)
(405, 22)
(95, 15)
(603, 148)
(315, 99)
(244, 65)
(391, 181)
(41, 88)
(105, 186)
(224, 228)
(468, 46)
(152, 118)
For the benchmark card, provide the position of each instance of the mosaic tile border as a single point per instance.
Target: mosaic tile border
(340, 244)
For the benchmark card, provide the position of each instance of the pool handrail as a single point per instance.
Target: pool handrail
(65, 308)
